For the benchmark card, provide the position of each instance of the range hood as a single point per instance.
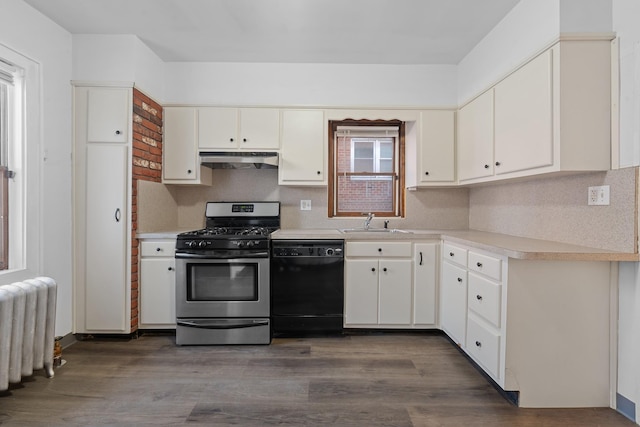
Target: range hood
(239, 159)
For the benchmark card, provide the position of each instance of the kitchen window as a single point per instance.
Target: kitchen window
(19, 166)
(366, 168)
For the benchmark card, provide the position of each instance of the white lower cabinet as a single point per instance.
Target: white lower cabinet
(157, 284)
(539, 328)
(381, 289)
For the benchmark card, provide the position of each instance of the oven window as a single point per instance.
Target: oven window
(223, 282)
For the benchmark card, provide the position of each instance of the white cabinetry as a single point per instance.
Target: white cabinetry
(157, 284)
(523, 316)
(384, 289)
(425, 283)
(550, 115)
(431, 153)
(378, 283)
(238, 128)
(180, 162)
(102, 201)
(303, 148)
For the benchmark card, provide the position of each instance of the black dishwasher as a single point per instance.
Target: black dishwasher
(307, 286)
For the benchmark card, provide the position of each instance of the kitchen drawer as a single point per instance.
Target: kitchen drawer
(484, 297)
(484, 346)
(379, 249)
(485, 264)
(164, 248)
(454, 254)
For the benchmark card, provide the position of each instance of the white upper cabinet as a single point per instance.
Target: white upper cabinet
(302, 155)
(431, 153)
(551, 115)
(238, 128)
(181, 164)
(475, 138)
(524, 117)
(108, 115)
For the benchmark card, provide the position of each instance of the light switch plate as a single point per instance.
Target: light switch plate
(305, 205)
(598, 196)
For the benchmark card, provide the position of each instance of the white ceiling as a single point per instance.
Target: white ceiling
(295, 31)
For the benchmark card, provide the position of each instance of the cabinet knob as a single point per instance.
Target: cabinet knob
(459, 279)
(170, 268)
(479, 297)
(379, 249)
(451, 254)
(426, 173)
(373, 269)
(478, 344)
(486, 166)
(230, 139)
(118, 132)
(497, 163)
(158, 249)
(319, 173)
(479, 264)
(244, 139)
(384, 269)
(189, 171)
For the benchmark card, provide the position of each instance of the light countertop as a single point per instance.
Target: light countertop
(501, 244)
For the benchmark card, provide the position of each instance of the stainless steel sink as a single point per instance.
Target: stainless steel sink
(374, 230)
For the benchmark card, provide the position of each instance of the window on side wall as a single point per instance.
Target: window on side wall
(7, 96)
(366, 168)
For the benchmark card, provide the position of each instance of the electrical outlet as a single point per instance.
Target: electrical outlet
(598, 196)
(305, 205)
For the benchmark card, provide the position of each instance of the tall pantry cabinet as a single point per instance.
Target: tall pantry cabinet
(102, 205)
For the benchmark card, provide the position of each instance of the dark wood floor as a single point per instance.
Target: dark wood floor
(390, 379)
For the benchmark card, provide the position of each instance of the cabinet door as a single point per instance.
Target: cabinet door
(437, 153)
(157, 292)
(361, 292)
(180, 156)
(475, 138)
(217, 128)
(453, 291)
(108, 115)
(523, 117)
(424, 283)
(302, 157)
(395, 292)
(106, 237)
(259, 128)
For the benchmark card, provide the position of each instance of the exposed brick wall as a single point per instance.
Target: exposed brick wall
(147, 166)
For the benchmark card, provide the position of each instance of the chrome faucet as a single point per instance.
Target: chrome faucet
(367, 221)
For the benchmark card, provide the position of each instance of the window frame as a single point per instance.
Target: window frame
(399, 187)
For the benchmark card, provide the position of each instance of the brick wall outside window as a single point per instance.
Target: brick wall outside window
(147, 166)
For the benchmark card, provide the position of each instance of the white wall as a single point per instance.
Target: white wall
(26, 31)
(310, 84)
(118, 58)
(626, 15)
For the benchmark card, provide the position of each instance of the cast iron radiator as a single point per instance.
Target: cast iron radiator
(27, 320)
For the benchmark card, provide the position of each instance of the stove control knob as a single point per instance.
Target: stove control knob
(240, 244)
(249, 243)
(202, 244)
(191, 243)
(330, 251)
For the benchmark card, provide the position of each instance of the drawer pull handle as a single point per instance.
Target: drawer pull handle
(478, 344)
(451, 254)
(479, 297)
(420, 258)
(459, 279)
(170, 268)
(479, 264)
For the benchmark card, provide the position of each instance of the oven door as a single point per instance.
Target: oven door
(222, 288)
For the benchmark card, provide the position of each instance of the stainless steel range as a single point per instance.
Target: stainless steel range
(222, 275)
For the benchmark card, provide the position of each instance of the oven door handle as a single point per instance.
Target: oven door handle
(236, 255)
(222, 323)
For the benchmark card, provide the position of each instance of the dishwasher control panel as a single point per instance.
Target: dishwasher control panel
(290, 249)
